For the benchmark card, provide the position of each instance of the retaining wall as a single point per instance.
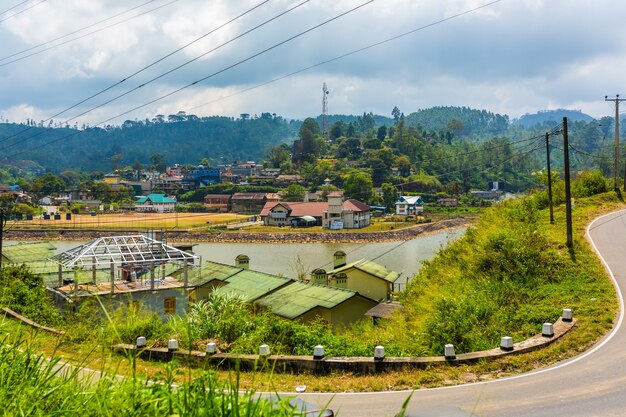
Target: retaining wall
(326, 365)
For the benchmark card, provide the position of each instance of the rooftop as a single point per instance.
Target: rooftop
(372, 268)
(304, 297)
(252, 285)
(28, 252)
(121, 250)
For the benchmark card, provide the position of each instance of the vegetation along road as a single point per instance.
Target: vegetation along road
(591, 384)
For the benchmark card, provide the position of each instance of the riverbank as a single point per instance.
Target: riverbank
(247, 237)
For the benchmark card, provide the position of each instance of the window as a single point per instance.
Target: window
(169, 305)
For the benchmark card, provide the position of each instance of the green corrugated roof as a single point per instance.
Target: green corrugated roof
(296, 299)
(28, 252)
(156, 198)
(371, 268)
(210, 271)
(251, 285)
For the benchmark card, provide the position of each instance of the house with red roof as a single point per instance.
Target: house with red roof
(333, 214)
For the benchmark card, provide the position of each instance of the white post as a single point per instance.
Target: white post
(449, 352)
(264, 350)
(506, 343)
(172, 345)
(567, 315)
(141, 342)
(211, 348)
(379, 353)
(318, 352)
(547, 330)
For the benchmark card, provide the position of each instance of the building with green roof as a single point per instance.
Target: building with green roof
(155, 203)
(24, 253)
(252, 285)
(366, 277)
(306, 302)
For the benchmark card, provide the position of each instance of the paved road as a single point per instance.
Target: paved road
(592, 384)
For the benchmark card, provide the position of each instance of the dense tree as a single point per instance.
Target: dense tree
(358, 185)
(381, 133)
(294, 192)
(48, 184)
(158, 162)
(390, 195)
(277, 155)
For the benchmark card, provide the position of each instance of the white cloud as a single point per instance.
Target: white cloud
(511, 57)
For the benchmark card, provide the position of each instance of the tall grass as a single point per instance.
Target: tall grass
(32, 385)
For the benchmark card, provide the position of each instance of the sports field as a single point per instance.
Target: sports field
(132, 220)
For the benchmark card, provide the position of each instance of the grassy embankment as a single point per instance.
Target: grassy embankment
(507, 276)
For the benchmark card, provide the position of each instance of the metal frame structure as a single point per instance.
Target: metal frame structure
(121, 250)
(107, 252)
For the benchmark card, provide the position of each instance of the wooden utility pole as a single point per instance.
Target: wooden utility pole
(3, 222)
(568, 194)
(616, 100)
(549, 178)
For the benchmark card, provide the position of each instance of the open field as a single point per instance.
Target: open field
(133, 221)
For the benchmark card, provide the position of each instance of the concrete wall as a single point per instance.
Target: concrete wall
(327, 365)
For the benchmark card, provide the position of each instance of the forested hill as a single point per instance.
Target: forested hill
(552, 117)
(186, 140)
(463, 121)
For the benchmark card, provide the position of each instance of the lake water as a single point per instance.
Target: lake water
(288, 259)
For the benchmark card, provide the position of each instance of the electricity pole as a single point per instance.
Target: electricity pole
(3, 221)
(568, 194)
(549, 178)
(616, 100)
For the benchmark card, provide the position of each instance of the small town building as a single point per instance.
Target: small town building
(251, 203)
(349, 214)
(26, 253)
(384, 311)
(333, 214)
(217, 203)
(448, 202)
(306, 302)
(155, 203)
(368, 278)
(201, 176)
(280, 213)
(409, 205)
(142, 272)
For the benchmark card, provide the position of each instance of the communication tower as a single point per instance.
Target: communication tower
(324, 109)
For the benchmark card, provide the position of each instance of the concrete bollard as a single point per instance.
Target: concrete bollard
(211, 348)
(506, 343)
(264, 350)
(172, 345)
(547, 330)
(449, 352)
(318, 352)
(141, 342)
(567, 314)
(379, 353)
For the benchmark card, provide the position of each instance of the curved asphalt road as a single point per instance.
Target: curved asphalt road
(592, 384)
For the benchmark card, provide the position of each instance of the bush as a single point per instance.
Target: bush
(589, 183)
(23, 292)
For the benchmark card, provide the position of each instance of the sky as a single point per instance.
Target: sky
(506, 56)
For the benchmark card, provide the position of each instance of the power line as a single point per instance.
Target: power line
(74, 32)
(87, 34)
(191, 60)
(210, 75)
(21, 11)
(353, 52)
(14, 7)
(133, 74)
